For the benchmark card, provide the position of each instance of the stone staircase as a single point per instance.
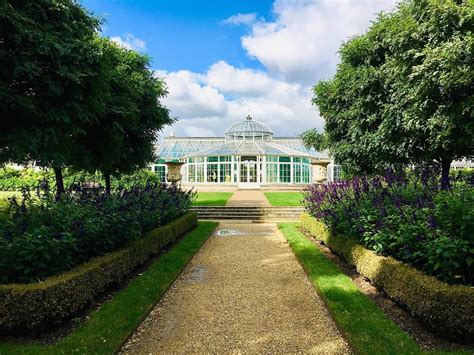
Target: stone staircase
(254, 214)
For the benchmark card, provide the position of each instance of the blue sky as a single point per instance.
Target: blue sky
(182, 34)
(223, 59)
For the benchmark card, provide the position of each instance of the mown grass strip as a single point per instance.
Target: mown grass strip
(366, 327)
(284, 198)
(212, 198)
(108, 327)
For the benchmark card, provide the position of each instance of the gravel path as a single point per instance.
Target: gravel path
(248, 198)
(242, 293)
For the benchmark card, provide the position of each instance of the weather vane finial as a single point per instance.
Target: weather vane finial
(248, 115)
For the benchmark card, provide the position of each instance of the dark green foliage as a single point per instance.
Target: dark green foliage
(34, 305)
(413, 221)
(121, 139)
(41, 236)
(448, 309)
(466, 175)
(313, 139)
(16, 180)
(50, 83)
(403, 93)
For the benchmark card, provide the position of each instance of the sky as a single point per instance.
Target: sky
(224, 59)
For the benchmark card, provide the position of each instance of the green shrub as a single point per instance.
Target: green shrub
(36, 305)
(408, 218)
(446, 308)
(42, 236)
(16, 180)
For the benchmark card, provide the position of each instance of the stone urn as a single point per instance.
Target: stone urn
(174, 171)
(320, 170)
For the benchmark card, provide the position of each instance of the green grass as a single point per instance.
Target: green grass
(108, 327)
(212, 198)
(284, 198)
(366, 327)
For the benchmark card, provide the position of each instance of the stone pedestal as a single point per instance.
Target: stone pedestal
(174, 172)
(320, 170)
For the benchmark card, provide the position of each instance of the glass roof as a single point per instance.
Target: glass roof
(248, 137)
(249, 148)
(248, 129)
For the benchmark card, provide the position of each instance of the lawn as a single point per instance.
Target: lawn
(212, 198)
(108, 328)
(366, 327)
(284, 198)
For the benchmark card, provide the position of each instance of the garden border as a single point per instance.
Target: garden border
(446, 308)
(35, 305)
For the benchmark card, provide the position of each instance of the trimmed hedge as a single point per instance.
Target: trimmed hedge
(446, 308)
(36, 305)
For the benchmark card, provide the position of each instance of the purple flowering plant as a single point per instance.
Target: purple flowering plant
(406, 216)
(41, 236)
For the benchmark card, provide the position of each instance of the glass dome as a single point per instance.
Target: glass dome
(248, 130)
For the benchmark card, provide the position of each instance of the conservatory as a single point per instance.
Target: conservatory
(248, 156)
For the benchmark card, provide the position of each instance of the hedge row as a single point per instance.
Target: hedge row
(446, 308)
(37, 305)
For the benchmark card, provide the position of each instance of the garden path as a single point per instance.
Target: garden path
(243, 292)
(248, 198)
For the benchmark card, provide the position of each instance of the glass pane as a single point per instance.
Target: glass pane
(200, 173)
(225, 173)
(243, 173)
(272, 172)
(285, 159)
(252, 173)
(212, 159)
(212, 173)
(285, 171)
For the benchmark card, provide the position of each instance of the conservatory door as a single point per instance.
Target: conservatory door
(248, 175)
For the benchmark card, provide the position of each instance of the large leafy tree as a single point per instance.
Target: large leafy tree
(121, 139)
(50, 83)
(403, 92)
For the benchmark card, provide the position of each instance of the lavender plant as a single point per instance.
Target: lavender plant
(41, 236)
(404, 216)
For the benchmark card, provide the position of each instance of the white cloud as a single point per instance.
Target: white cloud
(189, 98)
(226, 94)
(240, 19)
(298, 48)
(130, 42)
(301, 44)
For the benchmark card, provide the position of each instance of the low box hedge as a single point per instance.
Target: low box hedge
(448, 309)
(31, 306)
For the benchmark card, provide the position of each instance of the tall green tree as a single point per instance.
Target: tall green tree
(312, 138)
(403, 92)
(122, 138)
(50, 83)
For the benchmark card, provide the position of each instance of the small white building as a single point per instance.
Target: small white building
(248, 156)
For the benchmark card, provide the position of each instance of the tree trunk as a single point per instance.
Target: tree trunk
(58, 174)
(107, 183)
(445, 166)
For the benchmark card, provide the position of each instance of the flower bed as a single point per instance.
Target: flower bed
(408, 218)
(34, 305)
(448, 309)
(41, 236)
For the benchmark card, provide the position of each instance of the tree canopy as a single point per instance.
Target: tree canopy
(70, 98)
(403, 92)
(122, 138)
(49, 79)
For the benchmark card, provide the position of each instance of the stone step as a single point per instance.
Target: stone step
(282, 209)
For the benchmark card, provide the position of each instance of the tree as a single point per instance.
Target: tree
(121, 139)
(314, 139)
(403, 92)
(49, 81)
